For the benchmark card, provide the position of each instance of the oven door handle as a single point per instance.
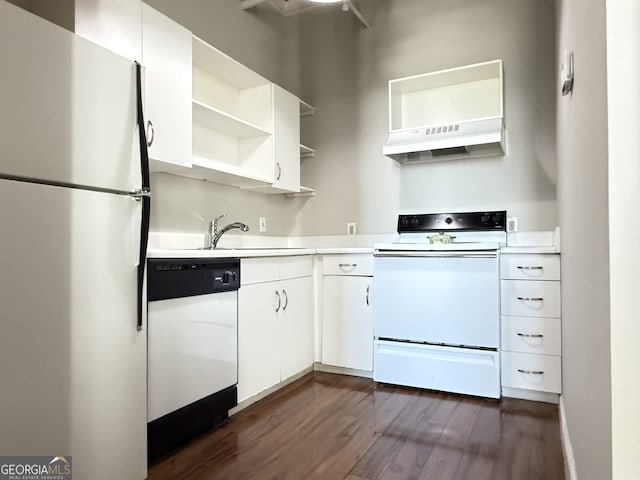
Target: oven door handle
(469, 254)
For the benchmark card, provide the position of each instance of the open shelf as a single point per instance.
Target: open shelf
(448, 96)
(304, 192)
(306, 152)
(306, 109)
(223, 122)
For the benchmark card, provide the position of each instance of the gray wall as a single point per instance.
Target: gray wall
(329, 60)
(343, 69)
(584, 219)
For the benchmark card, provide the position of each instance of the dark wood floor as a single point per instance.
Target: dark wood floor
(327, 426)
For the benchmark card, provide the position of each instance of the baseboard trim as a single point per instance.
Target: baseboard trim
(247, 402)
(567, 449)
(321, 367)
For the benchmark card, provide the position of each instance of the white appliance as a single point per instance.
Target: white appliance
(74, 215)
(437, 306)
(193, 348)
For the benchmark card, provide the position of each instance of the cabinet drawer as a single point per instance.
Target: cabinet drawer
(530, 267)
(349, 264)
(530, 298)
(258, 270)
(531, 335)
(268, 269)
(296, 266)
(532, 372)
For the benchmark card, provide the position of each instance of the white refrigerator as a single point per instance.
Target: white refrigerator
(74, 214)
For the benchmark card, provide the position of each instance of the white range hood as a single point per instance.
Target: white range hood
(446, 115)
(447, 142)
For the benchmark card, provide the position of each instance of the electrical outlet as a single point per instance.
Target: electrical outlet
(262, 221)
(351, 228)
(512, 224)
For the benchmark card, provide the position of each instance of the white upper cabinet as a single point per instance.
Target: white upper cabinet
(448, 114)
(286, 143)
(167, 90)
(449, 96)
(114, 24)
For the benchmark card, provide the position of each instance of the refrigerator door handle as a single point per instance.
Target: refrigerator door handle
(143, 196)
(142, 258)
(144, 153)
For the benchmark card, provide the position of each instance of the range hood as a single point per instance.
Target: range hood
(450, 141)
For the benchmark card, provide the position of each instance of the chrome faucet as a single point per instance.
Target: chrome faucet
(215, 234)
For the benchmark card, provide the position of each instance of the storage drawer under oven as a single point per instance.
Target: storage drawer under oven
(458, 370)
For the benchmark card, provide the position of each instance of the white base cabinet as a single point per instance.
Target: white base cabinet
(531, 326)
(275, 322)
(347, 312)
(347, 322)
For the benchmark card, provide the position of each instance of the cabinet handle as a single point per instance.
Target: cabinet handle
(279, 170)
(286, 299)
(349, 266)
(279, 301)
(151, 133)
(530, 299)
(530, 335)
(531, 372)
(368, 290)
(523, 267)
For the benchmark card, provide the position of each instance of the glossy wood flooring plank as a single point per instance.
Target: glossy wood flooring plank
(483, 445)
(377, 459)
(423, 435)
(450, 448)
(334, 427)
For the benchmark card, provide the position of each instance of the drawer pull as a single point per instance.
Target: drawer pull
(530, 335)
(347, 265)
(530, 299)
(531, 372)
(279, 301)
(524, 267)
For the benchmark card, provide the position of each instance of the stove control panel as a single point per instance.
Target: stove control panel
(465, 221)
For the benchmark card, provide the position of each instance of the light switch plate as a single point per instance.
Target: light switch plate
(262, 221)
(512, 224)
(351, 228)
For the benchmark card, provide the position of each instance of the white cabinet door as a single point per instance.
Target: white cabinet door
(167, 61)
(258, 342)
(114, 24)
(286, 132)
(347, 322)
(296, 326)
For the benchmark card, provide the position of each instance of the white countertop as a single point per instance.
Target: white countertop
(184, 245)
(228, 252)
(330, 251)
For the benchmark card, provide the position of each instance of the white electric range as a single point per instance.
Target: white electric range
(437, 305)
